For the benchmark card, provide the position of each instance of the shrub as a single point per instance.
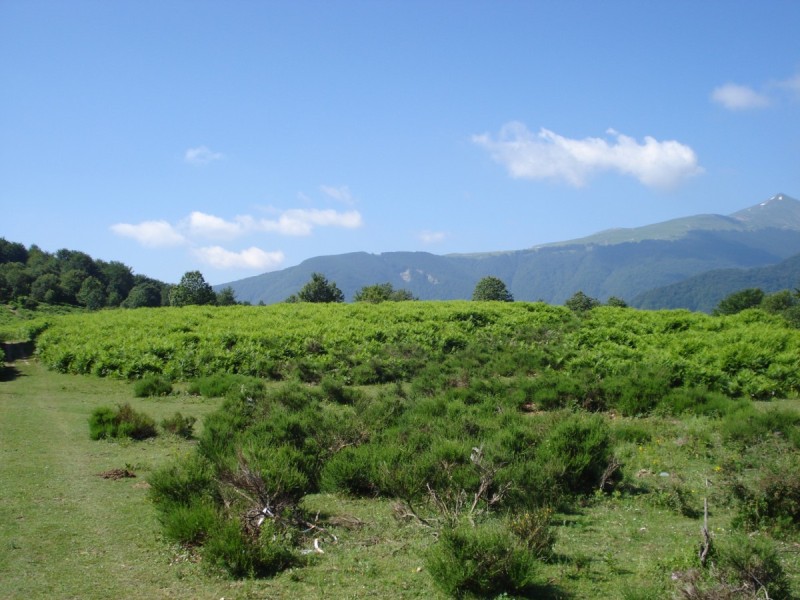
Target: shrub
(105, 422)
(350, 471)
(485, 561)
(772, 501)
(751, 565)
(748, 426)
(230, 549)
(535, 531)
(152, 385)
(189, 524)
(102, 423)
(179, 425)
(698, 401)
(576, 451)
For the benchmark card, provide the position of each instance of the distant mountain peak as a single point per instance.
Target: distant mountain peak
(779, 211)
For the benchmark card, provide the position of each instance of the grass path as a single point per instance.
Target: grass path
(65, 532)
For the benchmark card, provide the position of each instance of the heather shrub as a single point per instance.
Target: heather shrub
(577, 451)
(751, 565)
(772, 500)
(189, 524)
(230, 549)
(152, 385)
(106, 422)
(179, 425)
(484, 561)
(535, 530)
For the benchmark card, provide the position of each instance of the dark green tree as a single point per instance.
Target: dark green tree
(319, 289)
(739, 301)
(147, 293)
(192, 289)
(580, 302)
(46, 288)
(17, 278)
(118, 279)
(12, 252)
(226, 297)
(92, 294)
(492, 288)
(382, 292)
(618, 302)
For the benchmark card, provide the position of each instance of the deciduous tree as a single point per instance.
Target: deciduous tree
(492, 288)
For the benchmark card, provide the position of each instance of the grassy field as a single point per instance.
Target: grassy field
(66, 532)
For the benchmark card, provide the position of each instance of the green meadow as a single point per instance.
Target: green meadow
(416, 449)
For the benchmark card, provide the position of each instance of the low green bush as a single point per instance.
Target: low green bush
(751, 566)
(577, 451)
(230, 549)
(152, 385)
(535, 530)
(189, 524)
(771, 501)
(179, 425)
(748, 426)
(106, 422)
(483, 561)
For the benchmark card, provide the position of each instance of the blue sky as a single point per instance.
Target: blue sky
(241, 137)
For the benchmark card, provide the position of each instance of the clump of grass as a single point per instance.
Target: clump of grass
(152, 385)
(124, 422)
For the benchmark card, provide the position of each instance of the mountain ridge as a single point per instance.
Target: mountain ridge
(618, 262)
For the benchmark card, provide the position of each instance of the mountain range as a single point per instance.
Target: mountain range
(638, 264)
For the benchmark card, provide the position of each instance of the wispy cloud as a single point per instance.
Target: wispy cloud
(201, 155)
(202, 226)
(792, 84)
(548, 155)
(739, 97)
(152, 234)
(431, 237)
(301, 221)
(340, 193)
(251, 258)
(734, 96)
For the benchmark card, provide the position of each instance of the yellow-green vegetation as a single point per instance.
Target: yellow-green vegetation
(419, 450)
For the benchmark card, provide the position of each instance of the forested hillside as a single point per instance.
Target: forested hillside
(623, 262)
(31, 275)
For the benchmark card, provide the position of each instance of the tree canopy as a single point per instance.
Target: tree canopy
(318, 289)
(580, 302)
(492, 288)
(382, 292)
(192, 289)
(739, 301)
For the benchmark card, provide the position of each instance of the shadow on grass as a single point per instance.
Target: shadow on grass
(9, 373)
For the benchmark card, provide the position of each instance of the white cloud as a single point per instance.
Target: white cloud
(152, 234)
(341, 193)
(204, 225)
(431, 237)
(301, 221)
(201, 155)
(251, 258)
(739, 97)
(547, 155)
